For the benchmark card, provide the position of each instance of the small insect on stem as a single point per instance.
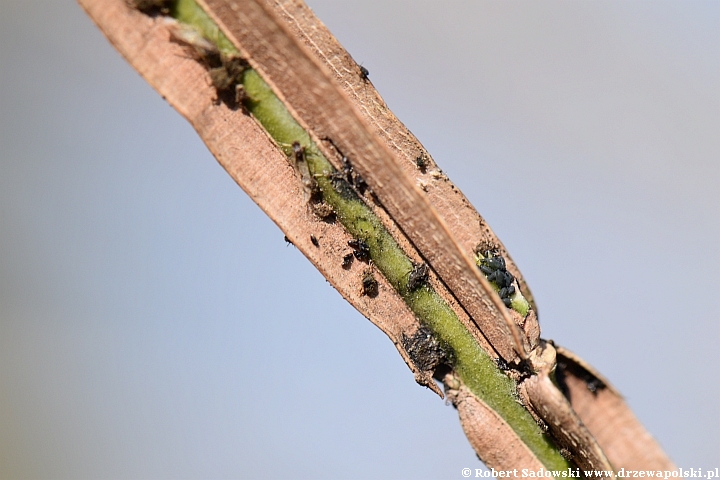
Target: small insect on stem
(421, 162)
(361, 250)
(298, 151)
(348, 174)
(347, 261)
(418, 277)
(594, 385)
(227, 79)
(502, 364)
(369, 285)
(347, 169)
(360, 184)
(364, 72)
(323, 210)
(493, 266)
(314, 240)
(309, 184)
(225, 70)
(424, 350)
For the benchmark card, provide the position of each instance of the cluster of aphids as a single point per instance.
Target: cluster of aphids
(347, 178)
(425, 351)
(492, 265)
(352, 177)
(227, 76)
(361, 250)
(226, 70)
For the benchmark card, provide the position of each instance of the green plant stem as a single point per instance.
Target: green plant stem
(472, 364)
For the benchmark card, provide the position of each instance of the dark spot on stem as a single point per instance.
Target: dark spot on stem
(502, 364)
(418, 277)
(323, 210)
(369, 285)
(493, 266)
(425, 350)
(421, 162)
(347, 261)
(152, 7)
(361, 250)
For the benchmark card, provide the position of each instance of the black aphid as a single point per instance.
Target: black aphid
(565, 369)
(495, 263)
(424, 350)
(485, 270)
(502, 278)
(364, 73)
(361, 250)
(418, 277)
(346, 179)
(594, 385)
(493, 266)
(298, 151)
(340, 184)
(507, 291)
(347, 261)
(502, 364)
(289, 242)
(347, 169)
(421, 162)
(314, 240)
(351, 177)
(360, 184)
(370, 285)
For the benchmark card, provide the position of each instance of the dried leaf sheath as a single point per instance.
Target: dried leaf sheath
(214, 137)
(603, 410)
(258, 166)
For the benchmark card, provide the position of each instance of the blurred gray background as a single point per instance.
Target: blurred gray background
(154, 324)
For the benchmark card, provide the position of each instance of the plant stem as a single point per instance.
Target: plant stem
(472, 364)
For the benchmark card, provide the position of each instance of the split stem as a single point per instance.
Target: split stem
(475, 368)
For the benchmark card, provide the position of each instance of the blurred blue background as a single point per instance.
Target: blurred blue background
(154, 324)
